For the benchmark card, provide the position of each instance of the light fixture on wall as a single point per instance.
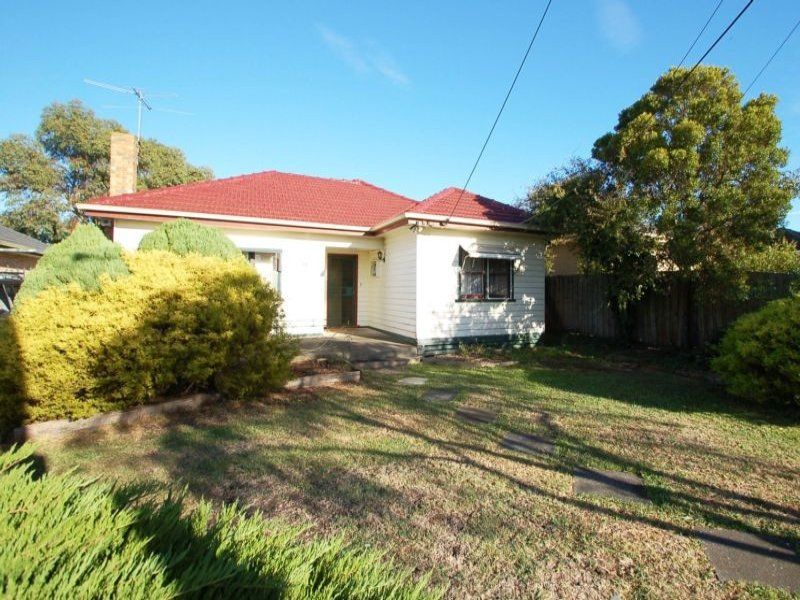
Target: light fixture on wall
(381, 256)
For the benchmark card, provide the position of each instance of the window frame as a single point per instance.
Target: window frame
(485, 272)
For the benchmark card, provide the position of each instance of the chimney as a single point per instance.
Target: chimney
(124, 163)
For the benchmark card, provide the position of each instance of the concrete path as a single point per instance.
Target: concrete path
(528, 443)
(610, 484)
(741, 556)
(413, 381)
(476, 415)
(440, 395)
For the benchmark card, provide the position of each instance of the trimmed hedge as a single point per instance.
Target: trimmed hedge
(173, 325)
(183, 237)
(62, 536)
(759, 356)
(82, 258)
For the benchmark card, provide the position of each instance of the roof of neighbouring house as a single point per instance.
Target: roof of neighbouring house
(19, 241)
(790, 235)
(287, 197)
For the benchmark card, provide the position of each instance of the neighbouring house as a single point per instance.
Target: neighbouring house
(563, 257)
(790, 235)
(564, 253)
(19, 253)
(344, 253)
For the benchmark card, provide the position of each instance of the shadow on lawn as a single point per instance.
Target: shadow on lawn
(221, 456)
(709, 510)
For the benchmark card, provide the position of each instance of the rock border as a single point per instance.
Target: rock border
(63, 427)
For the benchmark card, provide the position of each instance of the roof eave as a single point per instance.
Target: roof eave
(445, 220)
(107, 209)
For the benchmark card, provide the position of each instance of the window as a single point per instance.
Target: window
(486, 279)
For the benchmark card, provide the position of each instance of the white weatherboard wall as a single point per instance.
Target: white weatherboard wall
(397, 287)
(440, 318)
(303, 264)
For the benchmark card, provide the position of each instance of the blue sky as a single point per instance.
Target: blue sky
(398, 94)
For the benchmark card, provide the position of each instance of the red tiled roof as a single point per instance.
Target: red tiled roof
(290, 197)
(274, 195)
(470, 206)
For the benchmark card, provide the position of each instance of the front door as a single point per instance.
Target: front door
(342, 269)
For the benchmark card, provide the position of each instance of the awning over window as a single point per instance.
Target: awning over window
(491, 251)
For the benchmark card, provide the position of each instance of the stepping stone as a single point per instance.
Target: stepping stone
(737, 555)
(476, 415)
(439, 395)
(413, 381)
(528, 443)
(611, 484)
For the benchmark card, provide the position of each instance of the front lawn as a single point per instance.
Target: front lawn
(404, 475)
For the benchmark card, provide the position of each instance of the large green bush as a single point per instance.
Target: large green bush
(82, 258)
(173, 325)
(184, 237)
(759, 357)
(62, 536)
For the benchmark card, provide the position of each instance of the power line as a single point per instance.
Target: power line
(716, 41)
(502, 107)
(774, 54)
(702, 31)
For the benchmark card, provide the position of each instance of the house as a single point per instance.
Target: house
(19, 253)
(453, 268)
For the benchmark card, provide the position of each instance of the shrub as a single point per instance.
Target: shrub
(184, 237)
(62, 536)
(174, 325)
(759, 357)
(83, 258)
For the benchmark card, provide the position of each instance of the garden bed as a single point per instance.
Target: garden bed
(312, 374)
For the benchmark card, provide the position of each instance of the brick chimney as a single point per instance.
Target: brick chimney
(124, 163)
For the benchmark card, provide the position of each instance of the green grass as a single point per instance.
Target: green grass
(380, 466)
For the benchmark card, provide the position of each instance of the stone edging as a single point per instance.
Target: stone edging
(63, 427)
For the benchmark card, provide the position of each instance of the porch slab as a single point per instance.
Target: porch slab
(741, 556)
(357, 344)
(610, 484)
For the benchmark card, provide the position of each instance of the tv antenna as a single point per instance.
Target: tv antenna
(142, 99)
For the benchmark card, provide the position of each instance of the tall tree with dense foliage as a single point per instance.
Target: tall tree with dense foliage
(66, 162)
(691, 179)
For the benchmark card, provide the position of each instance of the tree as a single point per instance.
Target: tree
(690, 180)
(42, 178)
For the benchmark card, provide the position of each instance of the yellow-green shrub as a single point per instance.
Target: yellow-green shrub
(759, 357)
(176, 324)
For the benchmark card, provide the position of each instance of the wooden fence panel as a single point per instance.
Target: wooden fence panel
(674, 317)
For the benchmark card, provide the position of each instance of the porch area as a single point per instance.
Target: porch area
(360, 346)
